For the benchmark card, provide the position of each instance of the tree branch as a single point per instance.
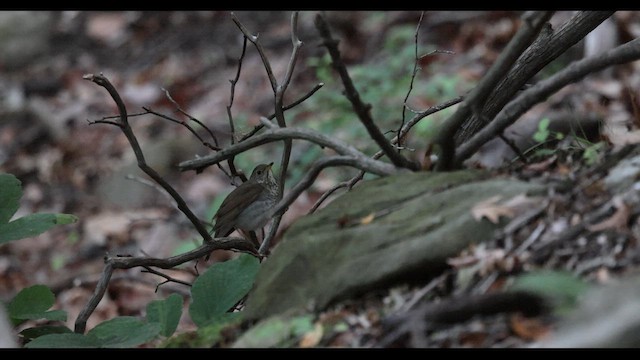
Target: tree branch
(277, 134)
(112, 263)
(532, 24)
(279, 112)
(544, 50)
(272, 116)
(318, 166)
(541, 91)
(142, 164)
(361, 109)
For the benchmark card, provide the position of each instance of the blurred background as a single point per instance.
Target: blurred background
(67, 165)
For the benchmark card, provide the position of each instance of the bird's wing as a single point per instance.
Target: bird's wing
(228, 212)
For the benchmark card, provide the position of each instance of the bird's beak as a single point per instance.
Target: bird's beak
(270, 165)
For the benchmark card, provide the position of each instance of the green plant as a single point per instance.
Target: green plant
(590, 151)
(26, 226)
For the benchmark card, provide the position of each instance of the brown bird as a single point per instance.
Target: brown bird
(246, 207)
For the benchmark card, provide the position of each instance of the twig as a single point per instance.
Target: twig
(254, 40)
(311, 174)
(328, 193)
(532, 24)
(232, 92)
(273, 115)
(513, 147)
(279, 112)
(403, 132)
(542, 90)
(148, 110)
(361, 109)
(179, 109)
(416, 68)
(142, 164)
(112, 263)
(277, 134)
(166, 277)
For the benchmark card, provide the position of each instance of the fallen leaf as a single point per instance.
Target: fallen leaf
(493, 210)
(367, 219)
(617, 221)
(528, 328)
(313, 337)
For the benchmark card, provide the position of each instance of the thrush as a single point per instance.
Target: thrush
(246, 208)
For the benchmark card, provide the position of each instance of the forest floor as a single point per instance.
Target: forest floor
(67, 165)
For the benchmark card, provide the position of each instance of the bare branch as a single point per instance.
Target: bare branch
(183, 123)
(541, 91)
(532, 25)
(232, 93)
(142, 164)
(416, 68)
(112, 263)
(279, 112)
(179, 109)
(277, 134)
(549, 45)
(272, 116)
(316, 168)
(403, 132)
(165, 276)
(98, 293)
(254, 40)
(361, 109)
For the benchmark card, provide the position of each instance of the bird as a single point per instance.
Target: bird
(246, 208)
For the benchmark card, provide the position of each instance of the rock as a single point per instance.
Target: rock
(389, 230)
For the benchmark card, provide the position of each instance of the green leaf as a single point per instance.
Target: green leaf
(35, 332)
(275, 331)
(71, 340)
(562, 287)
(543, 131)
(221, 287)
(166, 313)
(33, 303)
(10, 193)
(32, 225)
(123, 332)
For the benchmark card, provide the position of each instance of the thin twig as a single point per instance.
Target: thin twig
(532, 25)
(311, 174)
(181, 111)
(142, 164)
(112, 263)
(273, 115)
(416, 68)
(166, 277)
(232, 93)
(403, 132)
(361, 109)
(279, 112)
(278, 134)
(148, 110)
(254, 40)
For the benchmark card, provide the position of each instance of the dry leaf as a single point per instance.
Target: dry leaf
(490, 209)
(617, 221)
(528, 328)
(368, 219)
(313, 337)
